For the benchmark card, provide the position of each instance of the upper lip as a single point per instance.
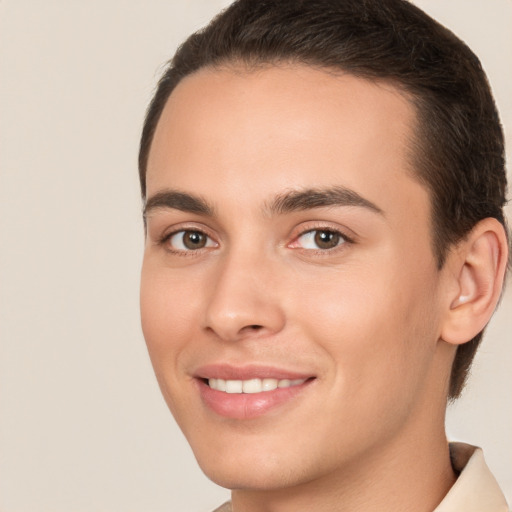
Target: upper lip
(251, 371)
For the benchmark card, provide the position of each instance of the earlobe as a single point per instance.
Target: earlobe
(480, 262)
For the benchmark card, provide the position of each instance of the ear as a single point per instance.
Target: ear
(477, 267)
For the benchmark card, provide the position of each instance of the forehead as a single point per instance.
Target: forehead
(253, 133)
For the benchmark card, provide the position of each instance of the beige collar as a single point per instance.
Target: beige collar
(476, 489)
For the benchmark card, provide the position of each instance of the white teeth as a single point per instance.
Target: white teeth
(234, 386)
(252, 385)
(269, 384)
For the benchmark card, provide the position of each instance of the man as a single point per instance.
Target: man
(325, 243)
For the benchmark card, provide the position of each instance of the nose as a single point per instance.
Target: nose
(244, 301)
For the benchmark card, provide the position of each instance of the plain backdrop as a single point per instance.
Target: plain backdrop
(83, 427)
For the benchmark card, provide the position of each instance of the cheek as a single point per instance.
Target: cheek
(166, 316)
(378, 328)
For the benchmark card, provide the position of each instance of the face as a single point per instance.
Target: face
(290, 296)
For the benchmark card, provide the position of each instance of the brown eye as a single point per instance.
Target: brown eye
(194, 240)
(323, 239)
(327, 239)
(188, 240)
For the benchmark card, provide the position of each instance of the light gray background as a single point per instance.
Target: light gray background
(82, 423)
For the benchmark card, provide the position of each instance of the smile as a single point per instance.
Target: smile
(252, 385)
(249, 391)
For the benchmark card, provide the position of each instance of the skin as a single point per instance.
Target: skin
(365, 318)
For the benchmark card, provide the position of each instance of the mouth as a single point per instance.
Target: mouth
(251, 386)
(250, 392)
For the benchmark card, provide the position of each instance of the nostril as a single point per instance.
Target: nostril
(255, 327)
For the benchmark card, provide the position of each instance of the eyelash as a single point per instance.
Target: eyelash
(165, 241)
(344, 239)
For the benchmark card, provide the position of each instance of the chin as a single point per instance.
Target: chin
(266, 467)
(251, 477)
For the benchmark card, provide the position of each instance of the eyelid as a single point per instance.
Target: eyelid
(346, 234)
(186, 227)
(182, 232)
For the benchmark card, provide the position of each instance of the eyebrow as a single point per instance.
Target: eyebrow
(291, 201)
(299, 200)
(182, 201)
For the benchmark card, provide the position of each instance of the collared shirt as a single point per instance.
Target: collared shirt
(475, 489)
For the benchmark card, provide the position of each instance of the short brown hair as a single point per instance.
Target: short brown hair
(458, 141)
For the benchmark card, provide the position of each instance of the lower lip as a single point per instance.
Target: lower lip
(248, 405)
